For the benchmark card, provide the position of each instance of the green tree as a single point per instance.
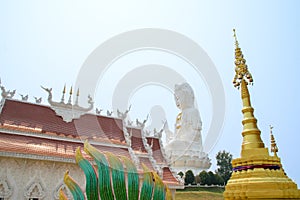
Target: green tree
(180, 174)
(211, 178)
(218, 180)
(224, 165)
(189, 177)
(203, 177)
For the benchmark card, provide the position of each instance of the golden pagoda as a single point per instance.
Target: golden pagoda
(256, 174)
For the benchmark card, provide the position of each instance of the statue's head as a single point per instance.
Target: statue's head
(184, 96)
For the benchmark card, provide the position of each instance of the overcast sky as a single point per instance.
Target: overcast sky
(47, 43)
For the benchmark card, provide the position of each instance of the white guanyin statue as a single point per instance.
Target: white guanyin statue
(184, 146)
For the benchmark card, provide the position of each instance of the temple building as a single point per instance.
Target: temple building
(256, 174)
(38, 143)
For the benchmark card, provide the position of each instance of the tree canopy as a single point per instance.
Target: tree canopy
(189, 177)
(224, 169)
(180, 174)
(204, 178)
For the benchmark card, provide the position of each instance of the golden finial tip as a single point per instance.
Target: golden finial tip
(234, 35)
(71, 90)
(64, 90)
(274, 147)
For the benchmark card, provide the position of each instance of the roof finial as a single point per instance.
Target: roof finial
(274, 147)
(70, 98)
(241, 69)
(63, 95)
(71, 90)
(77, 95)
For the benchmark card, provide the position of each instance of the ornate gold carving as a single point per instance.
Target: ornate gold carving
(241, 69)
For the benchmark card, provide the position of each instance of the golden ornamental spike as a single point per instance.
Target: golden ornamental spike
(274, 147)
(71, 90)
(64, 90)
(241, 69)
(70, 97)
(77, 95)
(63, 95)
(236, 41)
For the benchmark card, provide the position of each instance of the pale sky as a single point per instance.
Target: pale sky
(47, 42)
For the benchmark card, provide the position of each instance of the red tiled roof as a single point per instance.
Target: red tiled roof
(43, 117)
(168, 175)
(14, 143)
(147, 162)
(156, 150)
(136, 139)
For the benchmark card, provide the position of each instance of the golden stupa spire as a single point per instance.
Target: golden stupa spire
(274, 147)
(256, 174)
(251, 133)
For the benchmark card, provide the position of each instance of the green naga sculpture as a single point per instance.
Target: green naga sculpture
(114, 178)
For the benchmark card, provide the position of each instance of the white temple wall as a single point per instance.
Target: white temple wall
(22, 178)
